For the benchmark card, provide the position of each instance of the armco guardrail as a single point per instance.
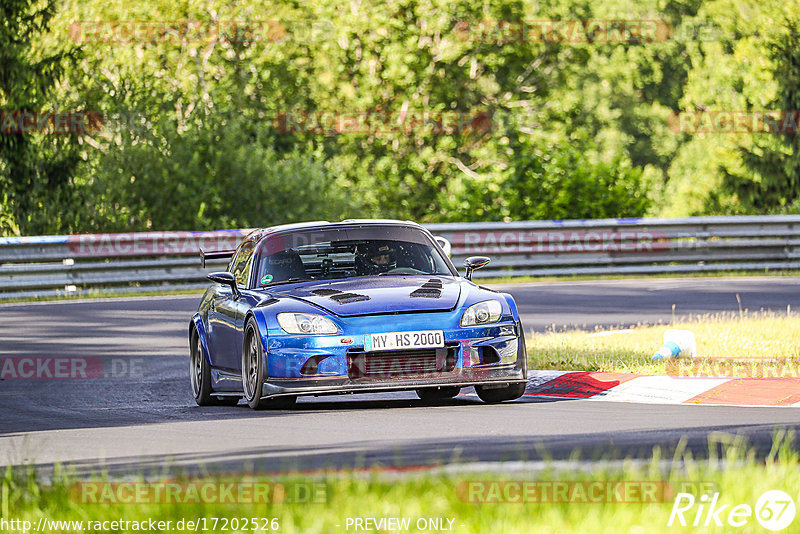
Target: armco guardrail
(124, 263)
(135, 262)
(628, 246)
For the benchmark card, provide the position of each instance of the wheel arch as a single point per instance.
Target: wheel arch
(257, 317)
(261, 326)
(196, 325)
(522, 349)
(512, 304)
(261, 323)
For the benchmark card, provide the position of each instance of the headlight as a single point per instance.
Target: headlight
(485, 312)
(306, 323)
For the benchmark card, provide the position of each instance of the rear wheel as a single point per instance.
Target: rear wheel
(200, 375)
(493, 395)
(437, 394)
(253, 373)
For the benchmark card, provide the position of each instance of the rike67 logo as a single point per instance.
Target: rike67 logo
(774, 510)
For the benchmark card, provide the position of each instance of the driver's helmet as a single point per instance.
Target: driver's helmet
(377, 257)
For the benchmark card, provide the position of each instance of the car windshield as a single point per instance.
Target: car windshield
(346, 253)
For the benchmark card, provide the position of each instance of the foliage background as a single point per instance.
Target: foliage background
(578, 130)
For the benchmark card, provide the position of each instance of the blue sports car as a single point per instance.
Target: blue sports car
(356, 306)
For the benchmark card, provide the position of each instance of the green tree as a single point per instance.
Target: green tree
(775, 181)
(221, 173)
(578, 129)
(36, 170)
(746, 68)
(556, 181)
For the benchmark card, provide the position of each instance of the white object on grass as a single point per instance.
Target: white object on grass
(677, 343)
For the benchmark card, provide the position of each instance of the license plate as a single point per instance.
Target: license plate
(427, 339)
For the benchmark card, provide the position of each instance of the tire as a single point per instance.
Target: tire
(496, 395)
(438, 394)
(253, 373)
(512, 391)
(200, 377)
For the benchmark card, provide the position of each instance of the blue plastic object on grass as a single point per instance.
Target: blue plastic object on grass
(670, 349)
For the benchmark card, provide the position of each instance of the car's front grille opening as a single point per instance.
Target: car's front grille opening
(489, 355)
(400, 363)
(311, 367)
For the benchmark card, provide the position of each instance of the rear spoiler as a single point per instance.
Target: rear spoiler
(216, 255)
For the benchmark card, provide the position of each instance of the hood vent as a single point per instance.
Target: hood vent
(340, 297)
(325, 292)
(347, 298)
(432, 289)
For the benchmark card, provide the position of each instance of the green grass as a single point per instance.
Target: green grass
(746, 344)
(103, 294)
(742, 479)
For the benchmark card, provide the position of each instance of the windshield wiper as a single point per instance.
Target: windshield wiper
(405, 274)
(287, 281)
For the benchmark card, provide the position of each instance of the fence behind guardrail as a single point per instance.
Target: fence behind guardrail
(138, 262)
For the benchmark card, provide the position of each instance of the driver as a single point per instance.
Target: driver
(377, 258)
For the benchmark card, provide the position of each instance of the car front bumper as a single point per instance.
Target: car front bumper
(488, 355)
(500, 377)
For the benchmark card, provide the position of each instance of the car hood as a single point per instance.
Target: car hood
(374, 295)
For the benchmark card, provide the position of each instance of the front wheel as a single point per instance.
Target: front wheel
(493, 395)
(253, 372)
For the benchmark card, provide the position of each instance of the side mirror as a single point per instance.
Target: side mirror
(227, 279)
(475, 262)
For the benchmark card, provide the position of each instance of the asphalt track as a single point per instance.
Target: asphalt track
(140, 415)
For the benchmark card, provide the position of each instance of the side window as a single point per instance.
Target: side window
(241, 265)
